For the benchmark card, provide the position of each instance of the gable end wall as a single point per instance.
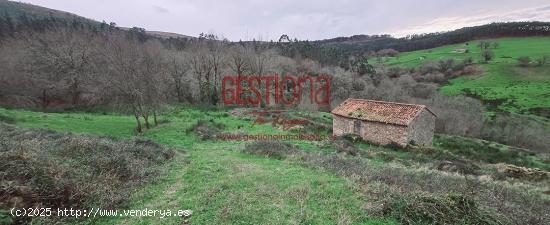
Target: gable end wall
(421, 129)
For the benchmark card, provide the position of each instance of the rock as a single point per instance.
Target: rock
(458, 167)
(296, 128)
(533, 174)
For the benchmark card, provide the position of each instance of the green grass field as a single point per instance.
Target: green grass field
(517, 89)
(215, 180)
(223, 185)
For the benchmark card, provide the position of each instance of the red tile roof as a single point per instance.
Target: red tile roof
(379, 111)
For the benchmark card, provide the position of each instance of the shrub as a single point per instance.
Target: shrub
(353, 138)
(487, 152)
(343, 145)
(436, 77)
(50, 169)
(524, 61)
(429, 67)
(271, 149)
(542, 60)
(436, 209)
(459, 166)
(206, 129)
(7, 119)
(423, 90)
(358, 85)
(467, 61)
(446, 64)
(487, 55)
(5, 217)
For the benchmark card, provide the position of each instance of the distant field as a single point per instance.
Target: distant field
(515, 89)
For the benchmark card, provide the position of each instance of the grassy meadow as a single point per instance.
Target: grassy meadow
(516, 89)
(215, 180)
(223, 184)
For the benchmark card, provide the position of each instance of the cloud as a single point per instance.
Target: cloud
(451, 23)
(304, 19)
(160, 9)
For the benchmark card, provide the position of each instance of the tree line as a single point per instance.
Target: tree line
(64, 65)
(337, 51)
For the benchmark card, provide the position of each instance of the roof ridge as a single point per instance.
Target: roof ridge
(387, 102)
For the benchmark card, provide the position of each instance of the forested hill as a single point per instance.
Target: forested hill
(337, 50)
(20, 17)
(432, 40)
(19, 12)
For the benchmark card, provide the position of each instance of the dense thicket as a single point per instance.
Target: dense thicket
(42, 168)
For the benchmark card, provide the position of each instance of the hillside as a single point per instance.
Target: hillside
(364, 43)
(19, 10)
(119, 120)
(503, 83)
(21, 13)
(351, 182)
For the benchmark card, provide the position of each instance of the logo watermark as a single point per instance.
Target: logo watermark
(285, 89)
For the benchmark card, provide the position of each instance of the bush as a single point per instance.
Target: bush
(423, 90)
(436, 209)
(524, 61)
(542, 60)
(436, 77)
(50, 169)
(487, 55)
(429, 67)
(358, 85)
(353, 138)
(446, 64)
(488, 152)
(206, 129)
(459, 166)
(271, 149)
(467, 61)
(7, 119)
(343, 145)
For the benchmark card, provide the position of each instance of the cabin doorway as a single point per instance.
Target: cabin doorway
(357, 127)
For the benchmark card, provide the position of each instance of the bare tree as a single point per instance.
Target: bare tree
(126, 75)
(177, 66)
(202, 70)
(154, 81)
(238, 60)
(483, 45)
(217, 61)
(259, 61)
(64, 56)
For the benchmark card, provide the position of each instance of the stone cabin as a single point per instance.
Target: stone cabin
(384, 122)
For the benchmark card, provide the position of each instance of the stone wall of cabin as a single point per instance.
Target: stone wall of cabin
(421, 129)
(384, 133)
(376, 132)
(341, 125)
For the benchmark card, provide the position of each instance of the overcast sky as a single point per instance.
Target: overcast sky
(303, 19)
